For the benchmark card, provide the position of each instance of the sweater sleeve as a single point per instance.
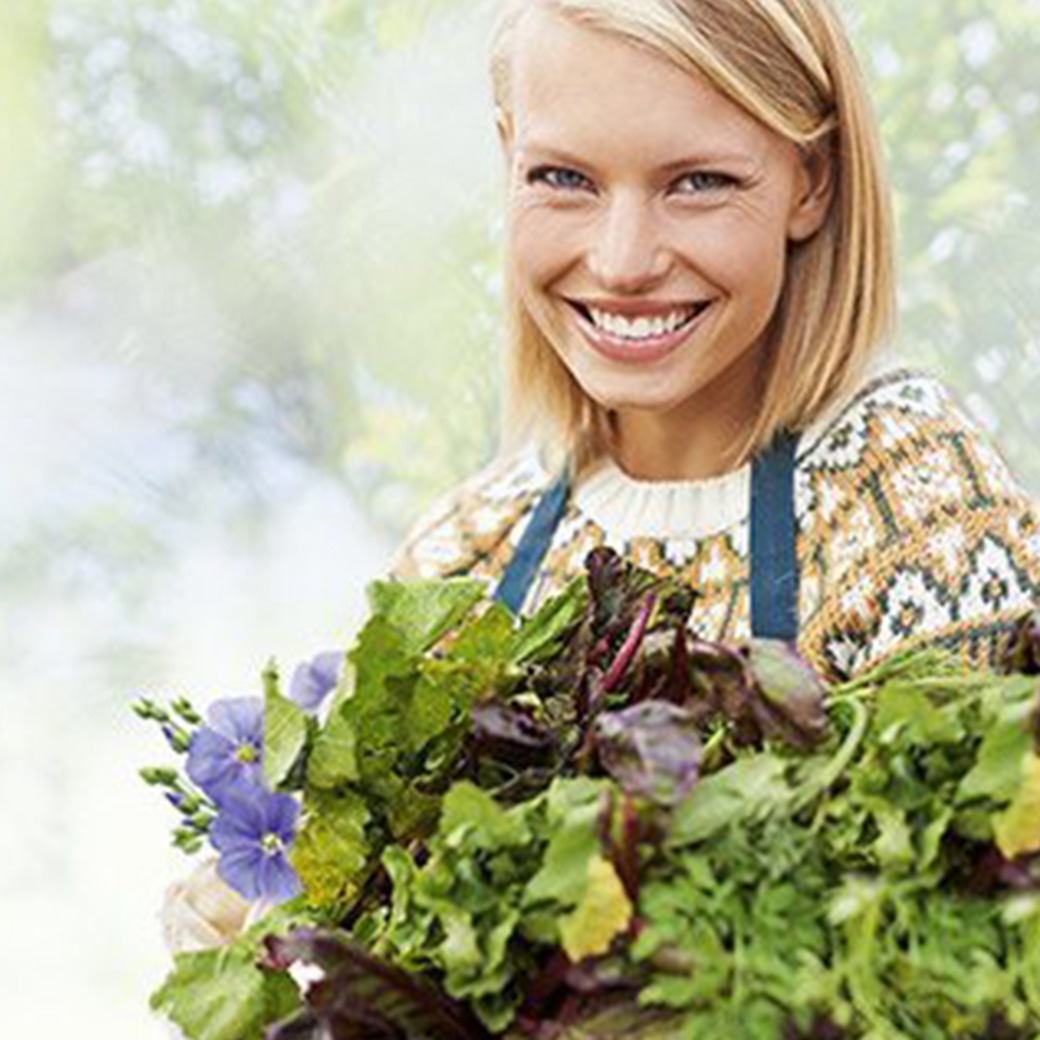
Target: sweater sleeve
(471, 530)
(917, 533)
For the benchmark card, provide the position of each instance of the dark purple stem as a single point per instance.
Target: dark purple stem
(625, 849)
(618, 667)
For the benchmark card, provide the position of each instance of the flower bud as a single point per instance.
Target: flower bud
(201, 820)
(147, 709)
(177, 738)
(183, 707)
(187, 840)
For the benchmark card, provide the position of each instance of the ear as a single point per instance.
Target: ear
(504, 127)
(815, 191)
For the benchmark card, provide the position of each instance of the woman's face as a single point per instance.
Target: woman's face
(649, 219)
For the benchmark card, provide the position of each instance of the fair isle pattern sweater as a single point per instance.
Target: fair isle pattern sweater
(911, 531)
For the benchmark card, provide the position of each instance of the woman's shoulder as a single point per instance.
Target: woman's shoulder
(915, 529)
(468, 528)
(905, 430)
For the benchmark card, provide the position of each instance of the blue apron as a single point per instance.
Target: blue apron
(774, 565)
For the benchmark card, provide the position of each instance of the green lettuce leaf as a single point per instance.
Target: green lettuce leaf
(540, 635)
(423, 611)
(573, 812)
(1017, 829)
(331, 852)
(333, 758)
(747, 788)
(997, 772)
(224, 995)
(285, 731)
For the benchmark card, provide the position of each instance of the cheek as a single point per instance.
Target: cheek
(529, 248)
(740, 257)
(543, 244)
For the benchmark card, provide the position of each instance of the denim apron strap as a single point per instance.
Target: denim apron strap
(774, 563)
(534, 544)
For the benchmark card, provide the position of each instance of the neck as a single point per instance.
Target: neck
(693, 441)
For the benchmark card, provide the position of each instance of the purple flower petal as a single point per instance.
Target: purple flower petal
(243, 812)
(280, 813)
(227, 831)
(240, 719)
(251, 832)
(210, 758)
(229, 750)
(277, 879)
(314, 680)
(241, 868)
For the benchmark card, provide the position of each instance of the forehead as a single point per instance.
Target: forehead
(574, 85)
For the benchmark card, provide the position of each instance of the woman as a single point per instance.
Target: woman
(700, 281)
(701, 287)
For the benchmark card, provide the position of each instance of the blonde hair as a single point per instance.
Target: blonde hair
(789, 64)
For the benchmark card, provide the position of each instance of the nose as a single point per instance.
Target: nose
(628, 254)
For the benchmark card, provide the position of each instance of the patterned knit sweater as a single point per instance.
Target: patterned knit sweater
(911, 530)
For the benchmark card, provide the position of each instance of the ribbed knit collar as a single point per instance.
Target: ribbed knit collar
(627, 507)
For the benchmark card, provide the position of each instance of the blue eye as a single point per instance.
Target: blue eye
(557, 177)
(703, 181)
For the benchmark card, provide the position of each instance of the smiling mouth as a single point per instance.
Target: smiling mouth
(642, 327)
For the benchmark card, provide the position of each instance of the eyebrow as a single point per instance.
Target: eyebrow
(702, 159)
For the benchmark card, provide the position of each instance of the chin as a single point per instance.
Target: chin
(649, 392)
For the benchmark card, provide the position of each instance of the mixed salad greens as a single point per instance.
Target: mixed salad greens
(590, 823)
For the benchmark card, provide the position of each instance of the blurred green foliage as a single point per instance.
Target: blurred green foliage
(290, 213)
(958, 92)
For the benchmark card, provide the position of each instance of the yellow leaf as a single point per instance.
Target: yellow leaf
(604, 912)
(1017, 829)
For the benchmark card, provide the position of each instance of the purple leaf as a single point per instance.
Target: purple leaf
(361, 997)
(791, 696)
(508, 734)
(723, 686)
(677, 687)
(652, 749)
(1024, 654)
(617, 592)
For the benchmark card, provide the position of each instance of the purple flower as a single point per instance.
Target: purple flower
(229, 750)
(314, 680)
(252, 832)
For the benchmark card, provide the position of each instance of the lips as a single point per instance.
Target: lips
(645, 349)
(632, 310)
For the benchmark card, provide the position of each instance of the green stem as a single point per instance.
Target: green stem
(739, 986)
(843, 757)
(713, 750)
(863, 982)
(1029, 972)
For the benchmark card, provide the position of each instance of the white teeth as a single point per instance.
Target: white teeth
(641, 328)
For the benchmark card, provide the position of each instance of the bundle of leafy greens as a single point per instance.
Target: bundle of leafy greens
(591, 824)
